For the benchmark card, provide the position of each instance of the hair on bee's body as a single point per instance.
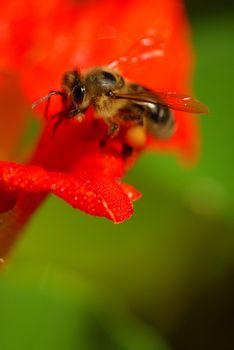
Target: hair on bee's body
(93, 88)
(119, 101)
(100, 88)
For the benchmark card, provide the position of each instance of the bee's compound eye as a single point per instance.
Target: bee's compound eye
(107, 81)
(78, 93)
(109, 78)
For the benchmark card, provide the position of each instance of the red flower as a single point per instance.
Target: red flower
(43, 41)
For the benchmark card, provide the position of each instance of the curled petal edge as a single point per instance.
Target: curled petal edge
(90, 191)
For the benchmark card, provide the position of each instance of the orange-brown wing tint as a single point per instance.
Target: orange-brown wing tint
(171, 100)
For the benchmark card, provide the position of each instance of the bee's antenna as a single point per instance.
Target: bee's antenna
(51, 93)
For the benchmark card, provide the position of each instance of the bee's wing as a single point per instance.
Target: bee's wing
(148, 47)
(171, 100)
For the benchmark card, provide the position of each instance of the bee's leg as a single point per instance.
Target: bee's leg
(52, 92)
(58, 122)
(63, 117)
(71, 114)
(113, 129)
(67, 114)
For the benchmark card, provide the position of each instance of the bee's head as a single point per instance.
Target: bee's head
(74, 87)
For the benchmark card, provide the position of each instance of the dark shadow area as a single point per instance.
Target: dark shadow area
(209, 323)
(199, 8)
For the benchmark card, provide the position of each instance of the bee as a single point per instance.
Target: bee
(120, 102)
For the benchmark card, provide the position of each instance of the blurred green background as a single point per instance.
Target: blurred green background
(165, 278)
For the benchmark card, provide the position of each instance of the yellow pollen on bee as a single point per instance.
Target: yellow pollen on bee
(136, 136)
(79, 118)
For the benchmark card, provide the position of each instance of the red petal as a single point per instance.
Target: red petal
(95, 193)
(12, 120)
(8, 197)
(130, 191)
(46, 40)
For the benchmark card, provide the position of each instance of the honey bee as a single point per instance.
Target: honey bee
(119, 101)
